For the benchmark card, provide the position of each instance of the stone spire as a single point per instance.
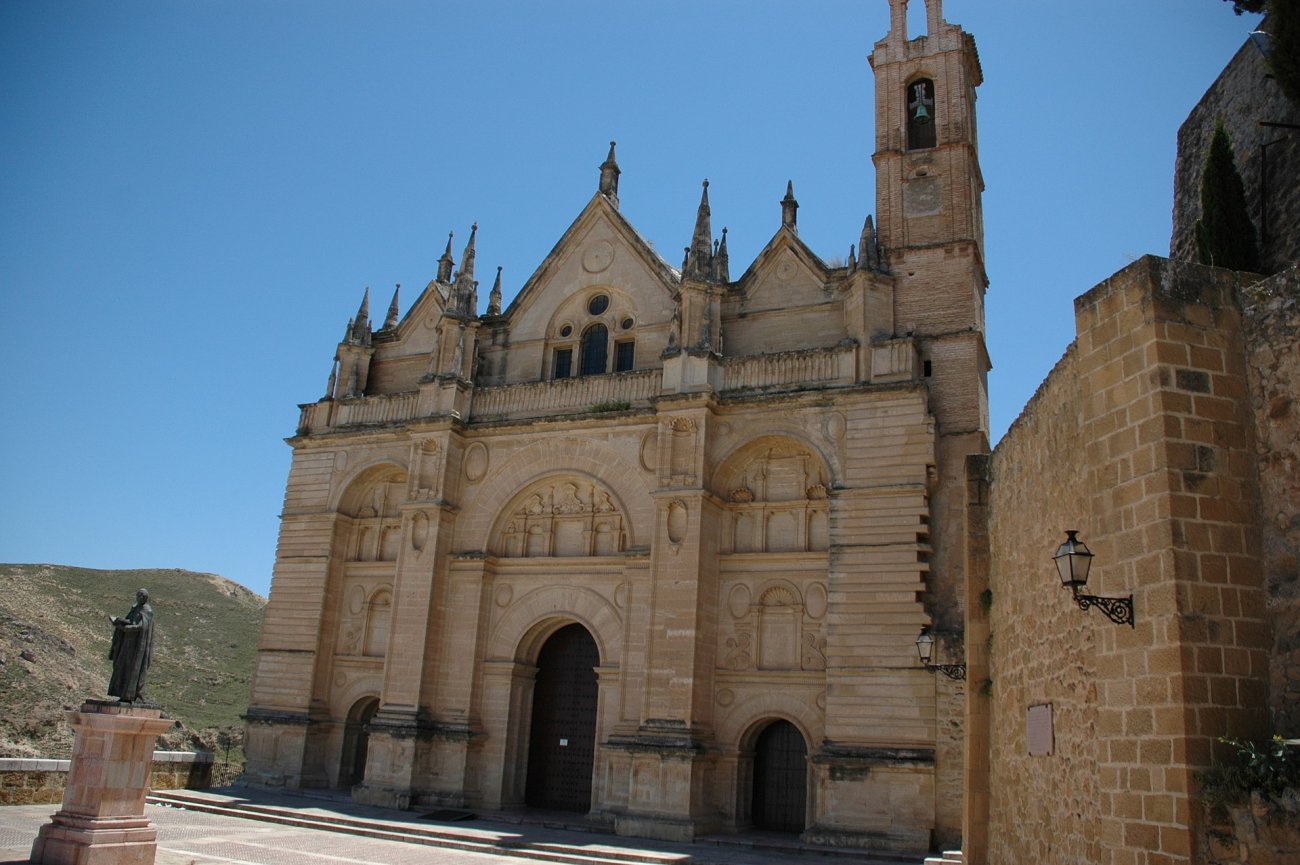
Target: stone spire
(494, 297)
(390, 320)
(789, 208)
(445, 264)
(465, 292)
(721, 263)
(609, 173)
(868, 249)
(699, 255)
(333, 379)
(467, 258)
(852, 261)
(358, 332)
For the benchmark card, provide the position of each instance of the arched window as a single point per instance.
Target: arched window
(919, 99)
(595, 350)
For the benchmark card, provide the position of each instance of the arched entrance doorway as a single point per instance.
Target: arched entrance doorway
(562, 744)
(356, 741)
(780, 778)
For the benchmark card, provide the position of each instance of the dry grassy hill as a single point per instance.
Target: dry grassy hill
(54, 638)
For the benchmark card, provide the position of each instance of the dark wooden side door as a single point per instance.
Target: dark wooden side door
(562, 744)
(780, 778)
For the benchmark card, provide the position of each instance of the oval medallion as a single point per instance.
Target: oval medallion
(476, 462)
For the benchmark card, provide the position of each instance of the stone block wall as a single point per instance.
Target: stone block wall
(41, 782)
(1267, 157)
(1271, 319)
(1142, 439)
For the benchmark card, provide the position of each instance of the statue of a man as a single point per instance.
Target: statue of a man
(132, 650)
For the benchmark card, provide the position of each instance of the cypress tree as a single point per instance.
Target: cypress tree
(1225, 236)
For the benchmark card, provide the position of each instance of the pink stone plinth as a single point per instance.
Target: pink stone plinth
(102, 820)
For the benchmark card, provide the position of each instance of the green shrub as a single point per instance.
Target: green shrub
(1268, 767)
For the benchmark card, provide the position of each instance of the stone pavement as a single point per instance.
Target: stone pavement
(245, 827)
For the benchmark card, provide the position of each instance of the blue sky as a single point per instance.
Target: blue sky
(194, 195)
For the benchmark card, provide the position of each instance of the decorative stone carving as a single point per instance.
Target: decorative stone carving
(419, 531)
(564, 518)
(427, 459)
(366, 619)
(738, 601)
(677, 513)
(776, 630)
(739, 654)
(778, 501)
(476, 462)
(376, 524)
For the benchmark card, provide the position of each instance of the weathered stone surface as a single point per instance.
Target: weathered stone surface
(1143, 438)
(748, 493)
(1244, 96)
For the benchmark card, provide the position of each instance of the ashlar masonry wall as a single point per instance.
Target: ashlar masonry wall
(1141, 439)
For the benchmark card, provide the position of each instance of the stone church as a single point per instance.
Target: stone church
(652, 543)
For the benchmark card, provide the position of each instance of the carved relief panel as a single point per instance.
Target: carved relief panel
(777, 502)
(775, 626)
(377, 521)
(426, 469)
(563, 518)
(365, 620)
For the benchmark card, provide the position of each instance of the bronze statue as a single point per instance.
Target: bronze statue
(132, 650)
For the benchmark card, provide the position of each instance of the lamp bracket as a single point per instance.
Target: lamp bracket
(952, 671)
(1118, 610)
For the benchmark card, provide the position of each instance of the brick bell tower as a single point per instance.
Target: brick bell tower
(931, 231)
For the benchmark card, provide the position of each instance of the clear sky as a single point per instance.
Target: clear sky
(194, 195)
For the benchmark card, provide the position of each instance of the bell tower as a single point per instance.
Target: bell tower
(931, 232)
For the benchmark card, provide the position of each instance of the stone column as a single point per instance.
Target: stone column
(102, 820)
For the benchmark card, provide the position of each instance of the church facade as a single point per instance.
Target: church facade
(654, 544)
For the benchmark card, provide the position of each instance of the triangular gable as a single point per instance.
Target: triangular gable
(785, 273)
(408, 337)
(599, 208)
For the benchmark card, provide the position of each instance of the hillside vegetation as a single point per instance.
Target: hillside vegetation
(54, 639)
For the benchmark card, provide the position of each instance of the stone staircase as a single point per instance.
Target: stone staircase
(948, 857)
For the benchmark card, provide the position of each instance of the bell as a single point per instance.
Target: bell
(921, 116)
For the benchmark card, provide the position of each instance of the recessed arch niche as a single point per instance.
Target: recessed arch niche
(776, 494)
(561, 516)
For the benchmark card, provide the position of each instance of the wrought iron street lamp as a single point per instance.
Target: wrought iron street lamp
(1073, 561)
(925, 648)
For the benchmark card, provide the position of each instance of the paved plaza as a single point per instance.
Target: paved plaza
(307, 831)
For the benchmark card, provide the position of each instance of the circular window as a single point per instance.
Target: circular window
(567, 330)
(626, 324)
(598, 304)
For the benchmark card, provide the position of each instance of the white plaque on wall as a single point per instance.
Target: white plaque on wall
(1038, 730)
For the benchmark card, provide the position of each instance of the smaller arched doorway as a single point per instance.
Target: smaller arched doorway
(780, 794)
(562, 742)
(356, 741)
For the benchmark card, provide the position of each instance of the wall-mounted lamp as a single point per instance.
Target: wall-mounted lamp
(925, 648)
(1073, 561)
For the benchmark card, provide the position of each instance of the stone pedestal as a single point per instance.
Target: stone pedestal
(102, 820)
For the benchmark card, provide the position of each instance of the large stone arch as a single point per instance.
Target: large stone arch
(776, 489)
(580, 515)
(346, 495)
(732, 463)
(547, 457)
(519, 634)
(738, 728)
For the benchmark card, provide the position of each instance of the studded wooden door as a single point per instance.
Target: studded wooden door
(780, 778)
(562, 744)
